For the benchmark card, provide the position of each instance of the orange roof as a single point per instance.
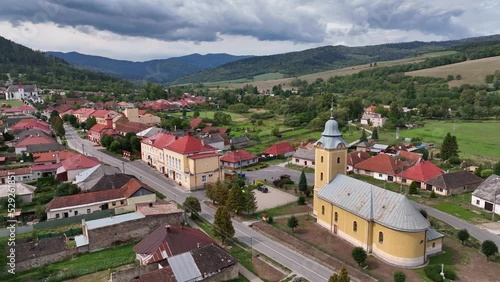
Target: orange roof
(189, 145)
(51, 156)
(100, 113)
(34, 140)
(84, 112)
(17, 171)
(79, 161)
(159, 140)
(356, 157)
(422, 171)
(195, 122)
(141, 112)
(279, 149)
(98, 127)
(236, 156)
(382, 163)
(410, 157)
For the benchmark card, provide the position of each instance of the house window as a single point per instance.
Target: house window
(355, 226)
(404, 180)
(433, 244)
(122, 202)
(477, 202)
(336, 217)
(381, 237)
(380, 175)
(321, 176)
(313, 163)
(338, 160)
(113, 203)
(203, 178)
(210, 175)
(88, 210)
(296, 160)
(323, 210)
(57, 215)
(321, 158)
(305, 162)
(76, 212)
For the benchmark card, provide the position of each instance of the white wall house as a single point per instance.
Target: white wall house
(23, 92)
(487, 195)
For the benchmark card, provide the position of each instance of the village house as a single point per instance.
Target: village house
(410, 158)
(20, 147)
(364, 146)
(147, 119)
(101, 116)
(23, 92)
(487, 195)
(374, 120)
(83, 114)
(355, 158)
(54, 157)
(26, 124)
(304, 157)
(30, 132)
(239, 142)
(420, 174)
(71, 166)
(383, 223)
(32, 253)
(191, 163)
(19, 174)
(284, 149)
(152, 150)
(23, 109)
(101, 177)
(215, 141)
(39, 148)
(381, 166)
(44, 170)
(148, 132)
(454, 183)
(24, 191)
(96, 132)
(238, 159)
(125, 198)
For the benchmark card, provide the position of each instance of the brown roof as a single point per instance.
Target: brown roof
(17, 171)
(164, 274)
(455, 180)
(382, 163)
(356, 157)
(130, 126)
(51, 156)
(174, 239)
(410, 157)
(237, 156)
(212, 258)
(79, 161)
(31, 140)
(195, 122)
(98, 128)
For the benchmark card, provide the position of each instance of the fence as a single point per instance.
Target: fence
(72, 220)
(69, 233)
(4, 232)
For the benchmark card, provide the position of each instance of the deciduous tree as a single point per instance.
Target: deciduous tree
(359, 255)
(293, 222)
(463, 235)
(489, 248)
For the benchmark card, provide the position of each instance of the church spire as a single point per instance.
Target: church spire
(331, 109)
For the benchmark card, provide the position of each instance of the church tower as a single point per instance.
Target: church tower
(330, 156)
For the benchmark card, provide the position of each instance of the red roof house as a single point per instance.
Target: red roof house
(281, 149)
(26, 109)
(410, 158)
(381, 166)
(236, 158)
(52, 157)
(420, 173)
(189, 145)
(195, 122)
(355, 158)
(32, 140)
(74, 165)
(25, 124)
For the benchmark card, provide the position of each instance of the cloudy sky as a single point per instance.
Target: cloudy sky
(148, 29)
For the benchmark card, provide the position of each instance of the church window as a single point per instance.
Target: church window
(323, 210)
(321, 176)
(381, 237)
(336, 217)
(355, 226)
(338, 160)
(321, 158)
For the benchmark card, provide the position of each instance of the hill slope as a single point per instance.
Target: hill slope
(161, 70)
(323, 59)
(49, 72)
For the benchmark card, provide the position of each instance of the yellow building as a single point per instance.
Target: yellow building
(152, 150)
(191, 163)
(384, 223)
(148, 119)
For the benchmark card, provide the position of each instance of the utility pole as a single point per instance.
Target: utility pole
(241, 168)
(494, 205)
(83, 149)
(123, 166)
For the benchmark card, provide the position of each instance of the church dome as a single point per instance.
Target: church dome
(331, 128)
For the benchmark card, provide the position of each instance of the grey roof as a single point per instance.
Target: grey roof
(148, 132)
(331, 136)
(433, 234)
(454, 180)
(87, 179)
(21, 189)
(29, 132)
(184, 267)
(372, 203)
(211, 259)
(112, 220)
(37, 148)
(488, 189)
(380, 147)
(27, 88)
(240, 139)
(212, 139)
(107, 182)
(364, 144)
(81, 240)
(306, 154)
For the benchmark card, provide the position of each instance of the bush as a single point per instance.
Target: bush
(278, 183)
(270, 220)
(399, 276)
(433, 195)
(433, 272)
(359, 255)
(301, 201)
(413, 188)
(489, 248)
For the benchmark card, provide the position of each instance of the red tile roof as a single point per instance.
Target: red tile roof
(160, 140)
(17, 171)
(236, 156)
(209, 129)
(79, 161)
(279, 149)
(175, 240)
(43, 167)
(51, 156)
(98, 128)
(382, 163)
(130, 126)
(421, 171)
(202, 156)
(124, 192)
(32, 123)
(21, 108)
(189, 145)
(195, 122)
(356, 157)
(409, 157)
(32, 140)
(100, 113)
(84, 112)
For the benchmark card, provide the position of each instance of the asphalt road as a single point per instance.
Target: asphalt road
(303, 266)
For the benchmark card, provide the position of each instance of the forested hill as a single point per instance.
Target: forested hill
(50, 72)
(159, 71)
(324, 58)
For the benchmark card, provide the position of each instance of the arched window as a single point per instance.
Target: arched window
(355, 226)
(323, 210)
(338, 160)
(321, 158)
(321, 176)
(381, 237)
(336, 217)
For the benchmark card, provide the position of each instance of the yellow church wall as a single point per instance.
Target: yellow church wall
(434, 246)
(328, 164)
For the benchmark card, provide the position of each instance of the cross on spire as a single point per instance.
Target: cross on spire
(331, 109)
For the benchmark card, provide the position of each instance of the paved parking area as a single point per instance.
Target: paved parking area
(273, 198)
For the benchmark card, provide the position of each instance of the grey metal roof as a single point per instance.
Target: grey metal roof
(36, 148)
(212, 139)
(148, 132)
(488, 189)
(184, 267)
(107, 221)
(372, 203)
(240, 139)
(306, 154)
(81, 240)
(433, 234)
(331, 136)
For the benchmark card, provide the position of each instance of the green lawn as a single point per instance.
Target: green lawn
(79, 266)
(12, 103)
(476, 140)
(260, 77)
(209, 114)
(455, 210)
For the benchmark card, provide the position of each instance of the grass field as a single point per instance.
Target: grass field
(243, 81)
(12, 103)
(472, 72)
(478, 141)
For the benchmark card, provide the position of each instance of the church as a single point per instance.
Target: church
(26, 93)
(384, 223)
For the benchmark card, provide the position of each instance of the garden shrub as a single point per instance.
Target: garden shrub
(433, 272)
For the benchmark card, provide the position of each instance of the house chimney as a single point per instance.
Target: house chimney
(58, 160)
(167, 227)
(198, 245)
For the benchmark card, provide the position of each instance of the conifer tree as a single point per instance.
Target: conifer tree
(223, 227)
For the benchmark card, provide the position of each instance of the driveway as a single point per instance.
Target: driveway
(273, 198)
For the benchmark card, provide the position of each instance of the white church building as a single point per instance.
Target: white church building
(27, 93)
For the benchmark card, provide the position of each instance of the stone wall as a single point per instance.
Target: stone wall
(229, 273)
(43, 260)
(133, 273)
(130, 231)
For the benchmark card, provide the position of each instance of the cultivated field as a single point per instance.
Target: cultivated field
(12, 103)
(478, 141)
(472, 72)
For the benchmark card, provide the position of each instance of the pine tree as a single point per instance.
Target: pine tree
(235, 199)
(302, 182)
(363, 137)
(220, 193)
(375, 133)
(341, 276)
(449, 147)
(250, 205)
(223, 227)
